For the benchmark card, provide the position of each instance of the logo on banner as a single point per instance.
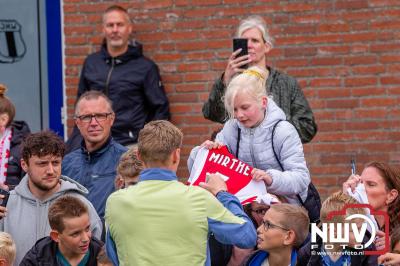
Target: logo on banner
(339, 233)
(12, 44)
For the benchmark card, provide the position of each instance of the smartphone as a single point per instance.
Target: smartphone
(240, 43)
(3, 201)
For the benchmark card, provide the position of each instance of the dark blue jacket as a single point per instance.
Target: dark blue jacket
(45, 249)
(259, 256)
(95, 170)
(133, 84)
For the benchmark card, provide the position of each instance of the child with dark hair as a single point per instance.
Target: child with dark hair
(12, 133)
(70, 241)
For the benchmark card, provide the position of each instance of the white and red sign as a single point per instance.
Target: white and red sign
(235, 173)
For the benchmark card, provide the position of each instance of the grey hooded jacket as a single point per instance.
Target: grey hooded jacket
(286, 93)
(27, 220)
(255, 149)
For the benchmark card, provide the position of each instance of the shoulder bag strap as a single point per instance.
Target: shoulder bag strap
(277, 159)
(237, 143)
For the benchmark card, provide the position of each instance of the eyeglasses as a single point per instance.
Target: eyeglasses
(260, 211)
(268, 225)
(99, 117)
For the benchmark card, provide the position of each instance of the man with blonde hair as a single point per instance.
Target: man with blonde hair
(7, 249)
(163, 222)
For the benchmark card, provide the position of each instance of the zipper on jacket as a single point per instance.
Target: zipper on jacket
(251, 147)
(109, 76)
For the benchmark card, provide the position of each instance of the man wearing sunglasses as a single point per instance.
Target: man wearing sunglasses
(94, 164)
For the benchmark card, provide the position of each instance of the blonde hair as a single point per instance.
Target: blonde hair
(157, 140)
(295, 218)
(129, 164)
(255, 22)
(7, 248)
(336, 202)
(251, 81)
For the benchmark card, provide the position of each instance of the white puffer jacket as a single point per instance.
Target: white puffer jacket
(255, 149)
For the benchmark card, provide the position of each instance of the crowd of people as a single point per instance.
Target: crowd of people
(111, 196)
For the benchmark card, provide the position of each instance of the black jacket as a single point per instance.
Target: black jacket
(286, 93)
(133, 84)
(43, 253)
(20, 130)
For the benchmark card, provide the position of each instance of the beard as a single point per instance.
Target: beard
(45, 186)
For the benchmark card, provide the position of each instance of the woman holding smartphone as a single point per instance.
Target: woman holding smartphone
(285, 90)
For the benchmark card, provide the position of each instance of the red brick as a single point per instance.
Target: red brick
(376, 69)
(325, 82)
(295, 7)
(351, 4)
(384, 102)
(329, 50)
(391, 80)
(337, 27)
(191, 87)
(168, 57)
(153, 4)
(326, 61)
(390, 58)
(300, 51)
(342, 103)
(307, 18)
(360, 60)
(193, 67)
(385, 25)
(367, 91)
(359, 82)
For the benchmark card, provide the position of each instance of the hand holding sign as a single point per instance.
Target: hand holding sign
(218, 160)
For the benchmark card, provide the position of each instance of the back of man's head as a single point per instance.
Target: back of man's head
(7, 249)
(336, 202)
(41, 144)
(295, 218)
(157, 140)
(65, 207)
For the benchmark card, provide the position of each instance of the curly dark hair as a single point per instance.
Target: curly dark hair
(41, 144)
(391, 177)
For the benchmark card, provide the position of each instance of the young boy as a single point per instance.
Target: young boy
(128, 169)
(337, 255)
(7, 249)
(284, 228)
(70, 241)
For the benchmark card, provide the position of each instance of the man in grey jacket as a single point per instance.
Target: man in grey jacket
(26, 214)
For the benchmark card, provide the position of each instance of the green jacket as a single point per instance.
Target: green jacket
(286, 93)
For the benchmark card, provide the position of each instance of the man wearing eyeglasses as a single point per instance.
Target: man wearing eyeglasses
(131, 80)
(94, 164)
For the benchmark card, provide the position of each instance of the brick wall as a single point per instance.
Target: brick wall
(345, 54)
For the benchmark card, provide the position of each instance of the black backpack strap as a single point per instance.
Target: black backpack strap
(237, 143)
(277, 158)
(273, 146)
